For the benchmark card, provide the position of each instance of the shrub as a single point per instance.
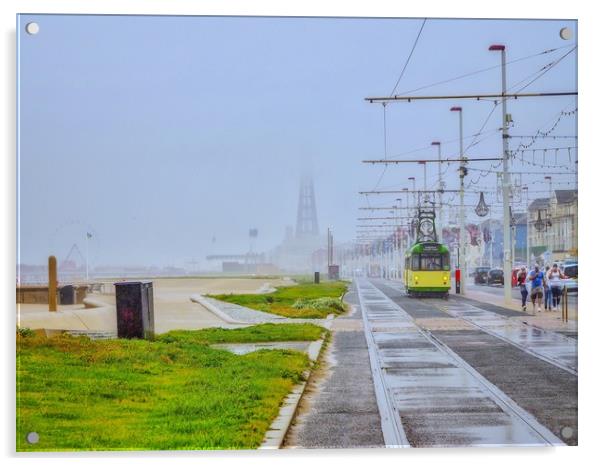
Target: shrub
(25, 332)
(319, 304)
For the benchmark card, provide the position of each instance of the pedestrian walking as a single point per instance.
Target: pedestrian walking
(547, 292)
(555, 277)
(536, 278)
(521, 280)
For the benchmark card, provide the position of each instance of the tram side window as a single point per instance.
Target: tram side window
(430, 262)
(415, 261)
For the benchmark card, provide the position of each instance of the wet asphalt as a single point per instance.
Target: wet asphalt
(339, 407)
(542, 389)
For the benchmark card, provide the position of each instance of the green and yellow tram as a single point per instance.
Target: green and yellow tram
(427, 270)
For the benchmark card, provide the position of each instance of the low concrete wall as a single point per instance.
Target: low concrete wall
(33, 294)
(38, 294)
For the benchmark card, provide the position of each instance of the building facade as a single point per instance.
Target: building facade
(556, 237)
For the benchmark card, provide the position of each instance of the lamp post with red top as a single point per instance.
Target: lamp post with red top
(440, 188)
(505, 182)
(462, 235)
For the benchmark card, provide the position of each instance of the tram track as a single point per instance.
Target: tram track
(498, 332)
(496, 326)
(392, 428)
(430, 393)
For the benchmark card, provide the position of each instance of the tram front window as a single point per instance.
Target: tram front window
(430, 262)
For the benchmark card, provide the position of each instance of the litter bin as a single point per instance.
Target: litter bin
(135, 310)
(67, 294)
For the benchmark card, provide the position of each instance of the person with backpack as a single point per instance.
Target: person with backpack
(536, 278)
(521, 281)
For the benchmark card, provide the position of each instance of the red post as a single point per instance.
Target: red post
(458, 280)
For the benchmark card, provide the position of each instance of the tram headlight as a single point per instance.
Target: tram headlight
(416, 278)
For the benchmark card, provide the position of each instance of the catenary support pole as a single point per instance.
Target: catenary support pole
(462, 235)
(505, 183)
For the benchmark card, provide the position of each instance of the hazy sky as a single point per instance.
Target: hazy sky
(158, 134)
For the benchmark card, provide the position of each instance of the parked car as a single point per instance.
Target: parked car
(570, 272)
(480, 275)
(495, 276)
(514, 276)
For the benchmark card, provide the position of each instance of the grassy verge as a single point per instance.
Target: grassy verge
(305, 300)
(254, 334)
(172, 393)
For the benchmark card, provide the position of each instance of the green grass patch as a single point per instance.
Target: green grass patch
(305, 300)
(172, 393)
(253, 334)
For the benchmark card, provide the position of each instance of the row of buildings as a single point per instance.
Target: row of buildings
(548, 229)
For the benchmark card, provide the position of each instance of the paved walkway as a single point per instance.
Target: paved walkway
(338, 408)
(549, 319)
(244, 315)
(173, 307)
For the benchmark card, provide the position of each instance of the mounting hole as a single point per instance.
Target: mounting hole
(567, 432)
(566, 33)
(33, 437)
(32, 28)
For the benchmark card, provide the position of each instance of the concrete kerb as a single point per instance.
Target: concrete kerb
(91, 303)
(200, 299)
(274, 437)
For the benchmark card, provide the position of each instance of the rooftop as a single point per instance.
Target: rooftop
(540, 203)
(565, 196)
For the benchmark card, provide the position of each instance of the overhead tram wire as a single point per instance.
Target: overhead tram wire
(482, 70)
(385, 144)
(537, 75)
(408, 59)
(394, 88)
(547, 68)
(474, 141)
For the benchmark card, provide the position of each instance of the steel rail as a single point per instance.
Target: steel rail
(505, 403)
(543, 357)
(390, 419)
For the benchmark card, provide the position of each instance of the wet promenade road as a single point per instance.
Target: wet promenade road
(540, 387)
(551, 346)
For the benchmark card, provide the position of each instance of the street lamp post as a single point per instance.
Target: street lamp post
(398, 240)
(413, 180)
(462, 246)
(526, 189)
(549, 232)
(440, 187)
(505, 182)
(424, 198)
(408, 210)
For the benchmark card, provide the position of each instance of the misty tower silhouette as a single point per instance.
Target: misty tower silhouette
(307, 216)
